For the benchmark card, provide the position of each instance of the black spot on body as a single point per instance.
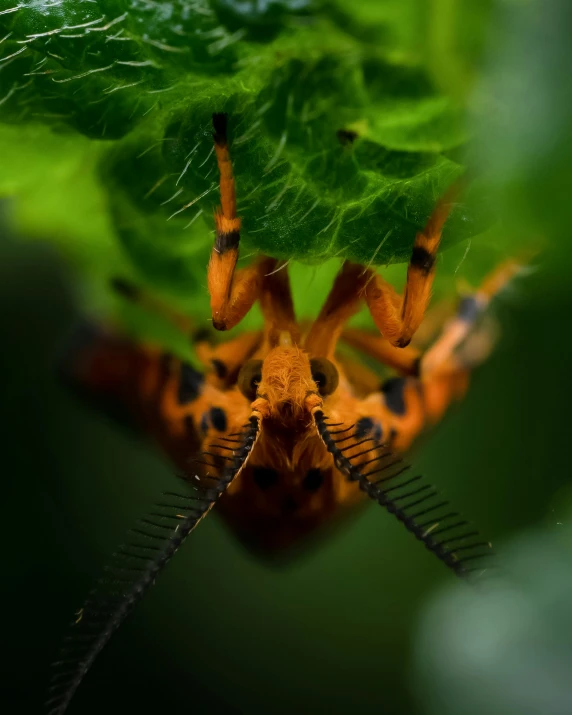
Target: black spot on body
(393, 390)
(313, 480)
(226, 241)
(346, 136)
(422, 259)
(218, 418)
(220, 369)
(468, 309)
(190, 384)
(363, 427)
(264, 477)
(366, 426)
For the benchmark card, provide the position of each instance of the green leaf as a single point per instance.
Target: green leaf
(340, 139)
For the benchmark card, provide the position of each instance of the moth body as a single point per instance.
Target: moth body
(282, 431)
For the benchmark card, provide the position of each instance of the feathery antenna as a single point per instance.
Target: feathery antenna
(134, 569)
(418, 507)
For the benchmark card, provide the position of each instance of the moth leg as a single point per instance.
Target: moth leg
(342, 302)
(399, 317)
(460, 331)
(232, 292)
(277, 307)
(445, 368)
(408, 360)
(418, 402)
(404, 360)
(405, 405)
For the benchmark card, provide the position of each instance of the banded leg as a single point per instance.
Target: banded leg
(406, 405)
(439, 354)
(465, 342)
(399, 317)
(442, 356)
(232, 292)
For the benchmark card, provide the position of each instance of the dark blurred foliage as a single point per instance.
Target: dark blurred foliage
(508, 651)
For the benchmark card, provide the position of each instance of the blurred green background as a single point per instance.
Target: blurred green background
(339, 629)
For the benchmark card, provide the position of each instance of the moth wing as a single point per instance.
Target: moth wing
(127, 382)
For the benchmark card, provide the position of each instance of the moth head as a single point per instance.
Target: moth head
(288, 383)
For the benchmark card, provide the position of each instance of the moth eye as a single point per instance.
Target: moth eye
(249, 378)
(325, 375)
